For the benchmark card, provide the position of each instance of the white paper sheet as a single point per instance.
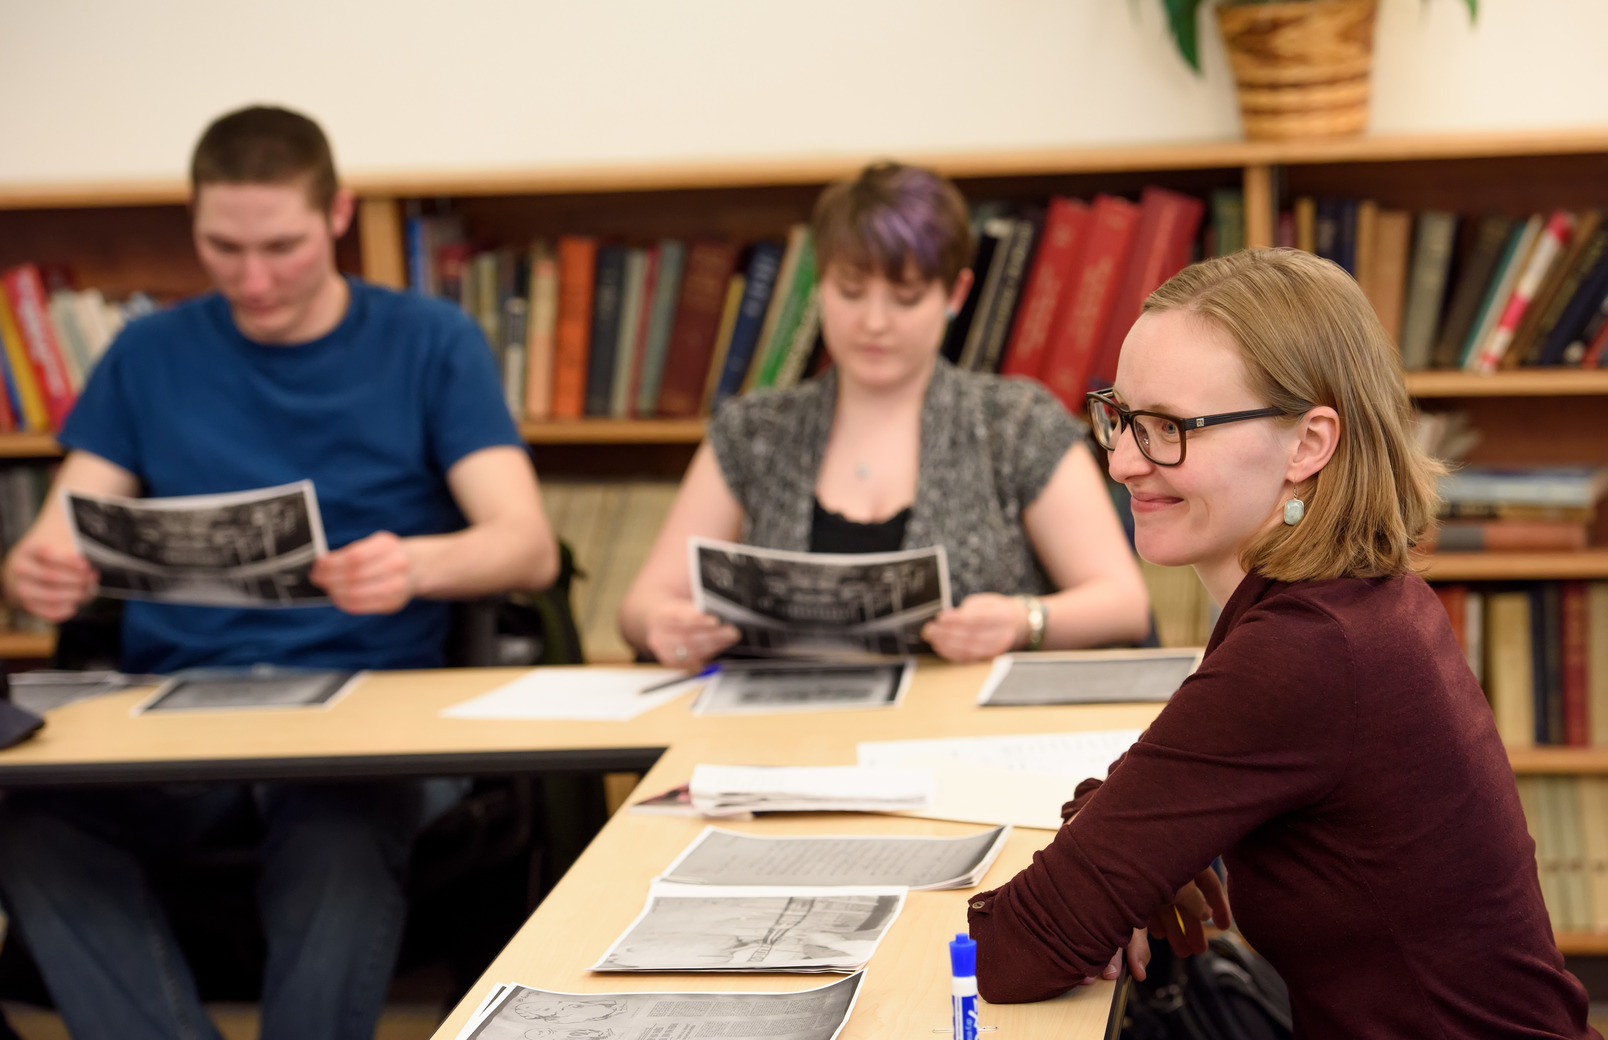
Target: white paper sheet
(1020, 780)
(809, 788)
(606, 694)
(722, 857)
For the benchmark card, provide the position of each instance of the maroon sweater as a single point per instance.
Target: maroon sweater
(1334, 748)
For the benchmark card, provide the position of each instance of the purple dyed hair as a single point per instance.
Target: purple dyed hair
(893, 217)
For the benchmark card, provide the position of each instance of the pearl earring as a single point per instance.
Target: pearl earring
(1294, 509)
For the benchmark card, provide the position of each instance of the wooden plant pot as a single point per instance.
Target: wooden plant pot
(1302, 66)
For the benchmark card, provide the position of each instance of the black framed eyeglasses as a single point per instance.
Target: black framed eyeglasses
(1160, 436)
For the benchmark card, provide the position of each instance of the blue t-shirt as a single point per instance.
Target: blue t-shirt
(375, 413)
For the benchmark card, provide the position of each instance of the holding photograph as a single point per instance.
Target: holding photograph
(246, 549)
(820, 604)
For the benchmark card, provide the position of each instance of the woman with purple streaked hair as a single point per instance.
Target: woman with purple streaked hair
(894, 448)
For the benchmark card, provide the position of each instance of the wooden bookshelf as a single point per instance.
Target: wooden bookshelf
(614, 431)
(1582, 944)
(26, 645)
(1516, 566)
(29, 446)
(1532, 382)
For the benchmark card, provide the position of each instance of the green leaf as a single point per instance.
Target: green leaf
(1181, 19)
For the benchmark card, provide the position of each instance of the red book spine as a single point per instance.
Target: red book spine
(1168, 222)
(577, 270)
(1455, 599)
(1576, 695)
(1065, 234)
(26, 291)
(692, 336)
(1086, 305)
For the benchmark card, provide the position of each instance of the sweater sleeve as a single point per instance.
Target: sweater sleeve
(1263, 728)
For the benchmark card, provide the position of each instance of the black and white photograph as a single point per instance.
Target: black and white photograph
(755, 929)
(245, 549)
(46, 689)
(514, 1012)
(259, 688)
(820, 604)
(1088, 677)
(742, 688)
(722, 857)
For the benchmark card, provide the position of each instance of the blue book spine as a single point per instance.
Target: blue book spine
(11, 389)
(606, 300)
(418, 237)
(761, 285)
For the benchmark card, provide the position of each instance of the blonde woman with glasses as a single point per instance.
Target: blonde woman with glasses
(1333, 748)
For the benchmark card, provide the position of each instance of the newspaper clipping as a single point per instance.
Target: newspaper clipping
(247, 549)
(520, 1013)
(721, 857)
(1088, 676)
(820, 604)
(743, 688)
(755, 928)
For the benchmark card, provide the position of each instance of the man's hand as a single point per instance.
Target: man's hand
(984, 626)
(682, 636)
(373, 575)
(49, 581)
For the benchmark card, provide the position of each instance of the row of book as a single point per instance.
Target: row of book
(1540, 649)
(610, 526)
(1568, 819)
(591, 327)
(1518, 508)
(23, 488)
(1477, 293)
(51, 334)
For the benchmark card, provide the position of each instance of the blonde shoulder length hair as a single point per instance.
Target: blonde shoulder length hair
(1309, 337)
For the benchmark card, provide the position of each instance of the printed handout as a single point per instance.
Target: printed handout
(45, 690)
(1088, 677)
(754, 928)
(820, 604)
(719, 790)
(513, 1012)
(260, 687)
(742, 688)
(721, 857)
(244, 549)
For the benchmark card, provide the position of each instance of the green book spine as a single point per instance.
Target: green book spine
(792, 314)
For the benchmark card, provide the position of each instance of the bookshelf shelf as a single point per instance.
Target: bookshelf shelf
(38, 645)
(1582, 944)
(1558, 760)
(1536, 382)
(28, 446)
(614, 431)
(1517, 566)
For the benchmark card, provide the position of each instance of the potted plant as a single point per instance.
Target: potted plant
(1301, 66)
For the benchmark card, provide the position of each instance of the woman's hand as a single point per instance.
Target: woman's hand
(984, 626)
(682, 636)
(1203, 899)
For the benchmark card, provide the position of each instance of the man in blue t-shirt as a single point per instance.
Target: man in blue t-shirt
(390, 405)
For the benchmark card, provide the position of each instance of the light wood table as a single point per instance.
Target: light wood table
(390, 725)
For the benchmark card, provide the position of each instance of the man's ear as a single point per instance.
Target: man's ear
(341, 208)
(1317, 437)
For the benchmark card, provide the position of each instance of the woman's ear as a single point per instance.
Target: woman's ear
(1317, 437)
(957, 295)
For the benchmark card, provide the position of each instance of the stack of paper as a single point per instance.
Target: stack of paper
(514, 1012)
(721, 857)
(717, 790)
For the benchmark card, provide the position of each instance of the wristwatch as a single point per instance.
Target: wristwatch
(1037, 616)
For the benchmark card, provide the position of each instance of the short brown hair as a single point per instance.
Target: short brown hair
(265, 145)
(1309, 337)
(890, 217)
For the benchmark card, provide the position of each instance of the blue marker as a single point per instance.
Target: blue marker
(963, 986)
(677, 680)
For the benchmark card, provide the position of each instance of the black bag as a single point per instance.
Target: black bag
(1227, 993)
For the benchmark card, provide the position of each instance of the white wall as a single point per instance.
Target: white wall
(96, 90)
